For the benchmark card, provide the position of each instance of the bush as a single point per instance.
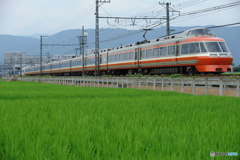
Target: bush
(236, 69)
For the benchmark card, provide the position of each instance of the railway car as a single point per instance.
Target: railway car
(192, 51)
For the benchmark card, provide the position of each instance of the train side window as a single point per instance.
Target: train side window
(125, 56)
(149, 53)
(104, 59)
(163, 51)
(156, 52)
(184, 49)
(121, 57)
(117, 57)
(109, 60)
(171, 50)
(194, 48)
(143, 54)
(131, 55)
(112, 58)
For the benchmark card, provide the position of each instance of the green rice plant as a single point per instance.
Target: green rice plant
(45, 121)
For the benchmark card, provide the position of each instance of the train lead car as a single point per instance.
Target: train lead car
(192, 51)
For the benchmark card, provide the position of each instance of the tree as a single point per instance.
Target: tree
(236, 69)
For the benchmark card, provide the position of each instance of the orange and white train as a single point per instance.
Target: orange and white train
(192, 51)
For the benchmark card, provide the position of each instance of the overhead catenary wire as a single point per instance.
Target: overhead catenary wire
(182, 18)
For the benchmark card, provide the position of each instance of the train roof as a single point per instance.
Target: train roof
(188, 33)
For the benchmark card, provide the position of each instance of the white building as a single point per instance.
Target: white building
(14, 58)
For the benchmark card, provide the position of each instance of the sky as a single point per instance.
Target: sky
(27, 17)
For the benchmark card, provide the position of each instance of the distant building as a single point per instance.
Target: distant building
(10, 57)
(14, 58)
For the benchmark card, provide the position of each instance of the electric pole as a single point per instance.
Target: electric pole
(41, 37)
(21, 65)
(14, 66)
(82, 47)
(167, 18)
(97, 35)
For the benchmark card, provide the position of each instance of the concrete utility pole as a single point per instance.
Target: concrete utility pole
(82, 47)
(14, 66)
(21, 65)
(168, 19)
(41, 37)
(97, 35)
(41, 56)
(1, 71)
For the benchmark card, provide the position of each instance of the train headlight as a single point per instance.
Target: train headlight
(213, 55)
(223, 55)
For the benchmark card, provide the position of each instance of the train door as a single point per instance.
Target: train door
(70, 65)
(85, 64)
(137, 57)
(177, 52)
(107, 60)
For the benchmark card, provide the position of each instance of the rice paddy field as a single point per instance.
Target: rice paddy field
(44, 121)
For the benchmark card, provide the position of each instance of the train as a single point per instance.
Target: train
(193, 51)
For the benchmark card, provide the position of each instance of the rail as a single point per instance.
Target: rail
(196, 86)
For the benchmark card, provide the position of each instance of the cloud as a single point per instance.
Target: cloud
(24, 17)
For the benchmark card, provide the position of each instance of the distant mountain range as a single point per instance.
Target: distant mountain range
(31, 46)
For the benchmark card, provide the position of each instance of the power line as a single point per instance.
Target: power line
(225, 25)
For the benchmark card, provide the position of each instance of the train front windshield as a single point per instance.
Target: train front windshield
(216, 47)
(201, 32)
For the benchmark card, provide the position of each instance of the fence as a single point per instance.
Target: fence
(196, 86)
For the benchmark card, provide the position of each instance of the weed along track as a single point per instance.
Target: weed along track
(47, 121)
(195, 86)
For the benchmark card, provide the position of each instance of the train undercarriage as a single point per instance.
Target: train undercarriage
(190, 70)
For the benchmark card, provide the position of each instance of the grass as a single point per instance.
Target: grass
(236, 73)
(44, 121)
